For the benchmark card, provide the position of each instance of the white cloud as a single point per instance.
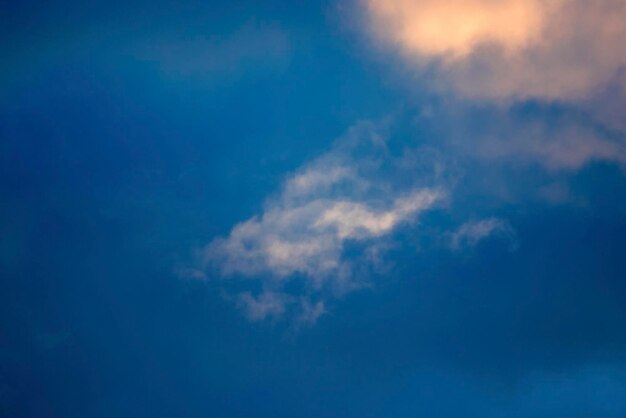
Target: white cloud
(348, 195)
(471, 233)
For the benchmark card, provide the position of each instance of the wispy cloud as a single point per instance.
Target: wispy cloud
(566, 150)
(473, 232)
(353, 194)
(253, 46)
(267, 304)
(556, 145)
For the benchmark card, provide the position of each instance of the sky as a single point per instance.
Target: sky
(359, 208)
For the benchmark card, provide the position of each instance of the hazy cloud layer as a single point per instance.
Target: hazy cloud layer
(565, 142)
(252, 47)
(551, 49)
(355, 194)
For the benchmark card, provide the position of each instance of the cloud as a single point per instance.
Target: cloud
(311, 312)
(560, 138)
(274, 305)
(329, 221)
(353, 195)
(267, 304)
(505, 52)
(565, 148)
(471, 233)
(553, 49)
(454, 29)
(574, 151)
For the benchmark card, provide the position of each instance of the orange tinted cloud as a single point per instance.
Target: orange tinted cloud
(501, 48)
(456, 27)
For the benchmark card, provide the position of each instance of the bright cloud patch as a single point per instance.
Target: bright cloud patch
(350, 195)
(456, 28)
(503, 48)
(308, 238)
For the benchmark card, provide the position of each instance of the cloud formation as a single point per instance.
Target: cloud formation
(355, 194)
(471, 233)
(554, 49)
(331, 216)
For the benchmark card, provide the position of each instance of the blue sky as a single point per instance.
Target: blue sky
(313, 209)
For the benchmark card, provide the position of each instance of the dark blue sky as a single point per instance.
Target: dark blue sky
(254, 209)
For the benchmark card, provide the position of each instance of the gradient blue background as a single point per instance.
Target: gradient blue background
(115, 165)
